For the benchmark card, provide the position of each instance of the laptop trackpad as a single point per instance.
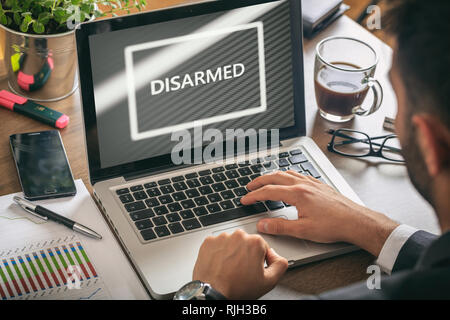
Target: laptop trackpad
(288, 247)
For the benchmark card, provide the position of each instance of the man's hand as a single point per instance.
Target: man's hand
(234, 265)
(324, 215)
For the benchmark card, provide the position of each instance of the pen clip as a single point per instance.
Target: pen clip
(28, 207)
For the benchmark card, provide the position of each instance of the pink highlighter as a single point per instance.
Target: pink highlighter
(33, 110)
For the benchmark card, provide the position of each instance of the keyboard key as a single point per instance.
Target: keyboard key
(125, 198)
(240, 191)
(191, 224)
(257, 168)
(274, 205)
(295, 152)
(159, 221)
(177, 179)
(143, 214)
(174, 207)
(160, 210)
(283, 154)
(296, 168)
(236, 213)
(244, 164)
(254, 176)
(218, 169)
(233, 174)
(122, 191)
(214, 197)
(164, 182)
(204, 173)
(310, 168)
(227, 205)
(217, 187)
(206, 180)
(237, 202)
(298, 159)
(227, 195)
(283, 162)
(178, 196)
(201, 201)
(173, 217)
(187, 204)
(213, 208)
(176, 228)
(137, 188)
(191, 175)
(167, 189)
(269, 165)
(205, 190)
(231, 166)
(134, 206)
(193, 183)
(152, 202)
(231, 184)
(243, 181)
(180, 186)
(245, 171)
(144, 224)
(150, 185)
(165, 199)
(148, 234)
(154, 192)
(219, 177)
(186, 214)
(192, 193)
(140, 195)
(162, 231)
(200, 211)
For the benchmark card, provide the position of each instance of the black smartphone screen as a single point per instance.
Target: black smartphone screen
(41, 162)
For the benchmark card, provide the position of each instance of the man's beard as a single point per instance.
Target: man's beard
(415, 164)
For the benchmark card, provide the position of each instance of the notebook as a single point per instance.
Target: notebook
(45, 260)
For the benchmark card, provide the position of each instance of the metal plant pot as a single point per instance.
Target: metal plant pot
(41, 67)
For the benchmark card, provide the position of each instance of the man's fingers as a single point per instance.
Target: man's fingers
(270, 192)
(276, 267)
(276, 178)
(280, 226)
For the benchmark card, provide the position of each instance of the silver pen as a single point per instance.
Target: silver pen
(45, 214)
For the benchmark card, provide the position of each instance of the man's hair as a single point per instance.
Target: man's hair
(422, 31)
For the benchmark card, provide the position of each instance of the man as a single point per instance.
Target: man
(419, 262)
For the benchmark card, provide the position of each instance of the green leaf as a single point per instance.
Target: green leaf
(38, 27)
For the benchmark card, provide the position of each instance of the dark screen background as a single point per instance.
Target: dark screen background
(107, 56)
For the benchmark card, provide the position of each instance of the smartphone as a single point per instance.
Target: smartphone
(42, 165)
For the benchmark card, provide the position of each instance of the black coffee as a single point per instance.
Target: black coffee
(339, 92)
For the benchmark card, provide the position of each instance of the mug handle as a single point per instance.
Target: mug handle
(377, 98)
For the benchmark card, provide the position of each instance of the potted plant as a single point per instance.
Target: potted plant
(39, 42)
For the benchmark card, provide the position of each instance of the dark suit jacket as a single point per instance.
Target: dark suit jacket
(421, 271)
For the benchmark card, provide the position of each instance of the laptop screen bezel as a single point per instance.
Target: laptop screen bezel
(154, 164)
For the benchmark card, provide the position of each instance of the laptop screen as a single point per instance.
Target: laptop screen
(223, 70)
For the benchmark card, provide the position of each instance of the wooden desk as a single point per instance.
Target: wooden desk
(382, 186)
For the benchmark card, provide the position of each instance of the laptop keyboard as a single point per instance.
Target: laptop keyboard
(167, 207)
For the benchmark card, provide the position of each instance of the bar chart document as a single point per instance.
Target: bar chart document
(44, 260)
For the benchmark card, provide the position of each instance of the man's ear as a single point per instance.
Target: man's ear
(434, 142)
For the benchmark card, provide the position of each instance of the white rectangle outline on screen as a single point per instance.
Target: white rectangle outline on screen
(136, 135)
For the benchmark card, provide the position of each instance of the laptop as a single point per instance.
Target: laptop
(183, 107)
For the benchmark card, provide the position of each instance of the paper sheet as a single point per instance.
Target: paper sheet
(45, 260)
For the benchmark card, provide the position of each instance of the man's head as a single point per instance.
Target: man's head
(420, 76)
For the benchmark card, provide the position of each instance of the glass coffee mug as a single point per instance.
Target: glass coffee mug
(343, 74)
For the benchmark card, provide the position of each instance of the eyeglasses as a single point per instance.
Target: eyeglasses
(357, 144)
